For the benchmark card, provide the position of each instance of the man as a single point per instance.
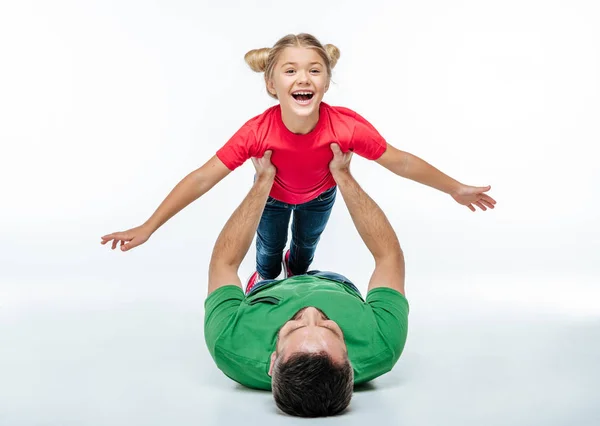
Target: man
(309, 338)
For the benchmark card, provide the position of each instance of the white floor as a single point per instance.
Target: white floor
(104, 356)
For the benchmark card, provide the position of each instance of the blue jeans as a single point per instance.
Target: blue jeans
(309, 222)
(323, 274)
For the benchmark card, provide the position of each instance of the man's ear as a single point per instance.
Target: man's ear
(273, 358)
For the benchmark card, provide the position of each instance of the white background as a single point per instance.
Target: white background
(106, 105)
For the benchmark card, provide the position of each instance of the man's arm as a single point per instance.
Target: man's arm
(237, 234)
(372, 225)
(411, 167)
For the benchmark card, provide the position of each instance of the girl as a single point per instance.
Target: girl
(298, 131)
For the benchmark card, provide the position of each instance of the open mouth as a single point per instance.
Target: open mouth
(303, 97)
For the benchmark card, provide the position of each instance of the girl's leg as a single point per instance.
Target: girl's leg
(309, 222)
(271, 237)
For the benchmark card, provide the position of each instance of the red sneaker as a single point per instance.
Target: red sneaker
(254, 278)
(286, 265)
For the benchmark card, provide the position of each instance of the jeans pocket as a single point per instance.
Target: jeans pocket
(271, 201)
(327, 195)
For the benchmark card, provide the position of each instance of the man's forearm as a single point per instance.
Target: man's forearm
(237, 234)
(370, 221)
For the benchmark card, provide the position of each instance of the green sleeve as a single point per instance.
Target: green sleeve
(220, 308)
(390, 308)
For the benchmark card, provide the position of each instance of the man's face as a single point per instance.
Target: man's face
(310, 331)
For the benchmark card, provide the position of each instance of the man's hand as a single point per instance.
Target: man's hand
(340, 161)
(264, 168)
(471, 196)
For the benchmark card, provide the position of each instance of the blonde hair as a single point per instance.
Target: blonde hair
(264, 59)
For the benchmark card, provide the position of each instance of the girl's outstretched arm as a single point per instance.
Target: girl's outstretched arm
(189, 189)
(414, 168)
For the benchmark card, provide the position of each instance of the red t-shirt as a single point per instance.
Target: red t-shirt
(302, 161)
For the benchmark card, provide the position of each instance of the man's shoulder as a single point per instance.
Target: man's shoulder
(247, 371)
(385, 293)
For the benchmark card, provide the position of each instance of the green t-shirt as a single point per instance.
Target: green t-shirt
(241, 331)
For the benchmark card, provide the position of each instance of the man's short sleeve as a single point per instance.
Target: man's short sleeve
(366, 140)
(220, 308)
(239, 148)
(390, 308)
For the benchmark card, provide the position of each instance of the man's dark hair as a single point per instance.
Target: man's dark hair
(312, 385)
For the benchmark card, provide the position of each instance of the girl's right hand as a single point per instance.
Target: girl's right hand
(128, 239)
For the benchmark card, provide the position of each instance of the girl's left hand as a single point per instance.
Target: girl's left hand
(472, 196)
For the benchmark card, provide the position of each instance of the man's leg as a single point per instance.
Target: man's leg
(309, 222)
(271, 237)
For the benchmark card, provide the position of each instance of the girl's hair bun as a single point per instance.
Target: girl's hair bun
(257, 59)
(333, 52)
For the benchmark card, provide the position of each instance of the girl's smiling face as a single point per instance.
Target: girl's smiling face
(299, 80)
